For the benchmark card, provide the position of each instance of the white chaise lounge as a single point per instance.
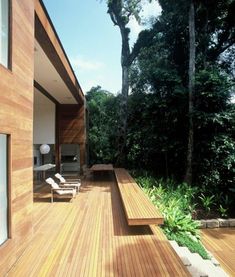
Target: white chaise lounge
(61, 192)
(70, 182)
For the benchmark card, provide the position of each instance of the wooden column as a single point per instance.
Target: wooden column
(82, 149)
(57, 140)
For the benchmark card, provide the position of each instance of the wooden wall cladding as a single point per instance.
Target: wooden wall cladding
(71, 124)
(16, 119)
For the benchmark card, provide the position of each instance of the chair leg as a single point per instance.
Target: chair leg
(51, 196)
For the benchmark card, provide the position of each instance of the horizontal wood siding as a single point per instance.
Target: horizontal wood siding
(71, 124)
(16, 119)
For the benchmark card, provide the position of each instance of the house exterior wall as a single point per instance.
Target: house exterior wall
(16, 120)
(71, 124)
(71, 129)
(44, 120)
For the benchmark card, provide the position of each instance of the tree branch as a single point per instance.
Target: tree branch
(145, 38)
(113, 18)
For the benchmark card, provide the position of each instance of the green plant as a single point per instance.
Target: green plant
(175, 221)
(207, 201)
(193, 245)
(227, 200)
(223, 211)
(176, 202)
(146, 181)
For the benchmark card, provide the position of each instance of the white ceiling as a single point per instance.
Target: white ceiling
(47, 76)
(40, 99)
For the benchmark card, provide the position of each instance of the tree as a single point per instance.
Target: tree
(162, 70)
(191, 88)
(158, 107)
(102, 125)
(120, 12)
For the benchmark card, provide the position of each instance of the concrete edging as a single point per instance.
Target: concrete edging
(196, 265)
(216, 223)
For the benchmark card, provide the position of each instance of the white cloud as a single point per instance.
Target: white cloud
(135, 27)
(81, 63)
(104, 78)
(106, 82)
(149, 10)
(92, 73)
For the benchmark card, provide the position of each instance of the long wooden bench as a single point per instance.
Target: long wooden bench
(138, 208)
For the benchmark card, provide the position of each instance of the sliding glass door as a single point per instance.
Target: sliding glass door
(3, 189)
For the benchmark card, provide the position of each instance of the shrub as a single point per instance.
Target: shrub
(207, 201)
(194, 246)
(176, 221)
(176, 203)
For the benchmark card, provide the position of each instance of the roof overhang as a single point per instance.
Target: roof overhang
(53, 72)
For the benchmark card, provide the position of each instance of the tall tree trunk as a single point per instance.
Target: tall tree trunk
(125, 63)
(120, 13)
(191, 88)
(123, 116)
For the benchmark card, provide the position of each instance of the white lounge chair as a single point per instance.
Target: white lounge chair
(70, 182)
(61, 192)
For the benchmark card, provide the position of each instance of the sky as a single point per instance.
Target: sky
(91, 41)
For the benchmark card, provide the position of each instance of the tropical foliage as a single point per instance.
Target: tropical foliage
(178, 203)
(102, 107)
(158, 113)
(173, 110)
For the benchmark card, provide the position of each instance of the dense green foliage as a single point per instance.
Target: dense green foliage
(177, 202)
(159, 79)
(102, 107)
(157, 130)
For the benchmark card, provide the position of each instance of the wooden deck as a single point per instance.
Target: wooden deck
(102, 167)
(221, 243)
(138, 208)
(90, 237)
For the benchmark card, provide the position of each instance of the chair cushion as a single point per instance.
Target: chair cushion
(62, 179)
(53, 184)
(77, 185)
(66, 192)
(57, 175)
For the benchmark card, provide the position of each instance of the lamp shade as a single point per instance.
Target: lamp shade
(44, 149)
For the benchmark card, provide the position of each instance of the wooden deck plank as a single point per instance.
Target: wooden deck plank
(221, 243)
(138, 208)
(102, 167)
(91, 237)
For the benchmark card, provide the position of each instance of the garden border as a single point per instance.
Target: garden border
(216, 223)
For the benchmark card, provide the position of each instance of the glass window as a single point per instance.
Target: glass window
(3, 189)
(4, 32)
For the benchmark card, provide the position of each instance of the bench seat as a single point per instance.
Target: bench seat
(138, 208)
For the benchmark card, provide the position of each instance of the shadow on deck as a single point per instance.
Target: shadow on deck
(90, 237)
(221, 243)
